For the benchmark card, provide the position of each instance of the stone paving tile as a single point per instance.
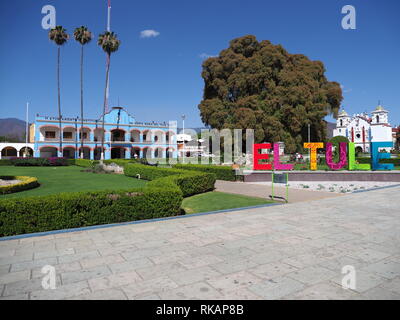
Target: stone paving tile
(114, 280)
(27, 265)
(60, 268)
(276, 288)
(4, 269)
(199, 261)
(379, 293)
(364, 281)
(16, 259)
(272, 270)
(234, 265)
(312, 275)
(111, 294)
(323, 291)
(78, 256)
(233, 282)
(194, 275)
(85, 274)
(15, 276)
(130, 265)
(386, 269)
(103, 260)
(25, 287)
(160, 269)
(149, 287)
(62, 292)
(197, 291)
(392, 285)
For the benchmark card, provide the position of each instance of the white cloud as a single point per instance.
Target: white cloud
(149, 33)
(206, 56)
(347, 90)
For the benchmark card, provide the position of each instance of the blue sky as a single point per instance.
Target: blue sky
(159, 78)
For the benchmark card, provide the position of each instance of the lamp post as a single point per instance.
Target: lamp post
(183, 136)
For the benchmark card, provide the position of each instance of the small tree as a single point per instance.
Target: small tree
(335, 144)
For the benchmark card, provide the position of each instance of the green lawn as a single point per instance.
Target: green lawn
(211, 201)
(67, 179)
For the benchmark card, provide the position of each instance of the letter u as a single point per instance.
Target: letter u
(342, 159)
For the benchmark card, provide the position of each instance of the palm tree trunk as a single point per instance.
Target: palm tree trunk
(81, 103)
(104, 106)
(59, 101)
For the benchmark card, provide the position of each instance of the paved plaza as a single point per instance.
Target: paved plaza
(292, 251)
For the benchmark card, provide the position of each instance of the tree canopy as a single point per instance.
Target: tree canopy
(260, 86)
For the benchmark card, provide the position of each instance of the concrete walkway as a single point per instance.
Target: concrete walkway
(292, 251)
(264, 191)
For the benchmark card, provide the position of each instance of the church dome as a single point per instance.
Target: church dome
(343, 113)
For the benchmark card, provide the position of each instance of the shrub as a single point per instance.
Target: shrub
(395, 161)
(39, 162)
(73, 210)
(189, 183)
(221, 172)
(25, 184)
(120, 162)
(86, 163)
(6, 162)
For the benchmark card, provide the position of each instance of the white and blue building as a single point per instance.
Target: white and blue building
(124, 137)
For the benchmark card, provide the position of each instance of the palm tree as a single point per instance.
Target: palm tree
(60, 37)
(109, 43)
(83, 36)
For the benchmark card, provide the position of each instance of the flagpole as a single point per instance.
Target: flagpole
(26, 129)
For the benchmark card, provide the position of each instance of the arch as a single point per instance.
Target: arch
(9, 152)
(118, 153)
(48, 151)
(49, 132)
(69, 133)
(97, 134)
(170, 152)
(86, 152)
(117, 135)
(147, 152)
(69, 152)
(158, 136)
(97, 153)
(26, 151)
(146, 135)
(158, 152)
(135, 135)
(169, 135)
(377, 119)
(135, 152)
(86, 131)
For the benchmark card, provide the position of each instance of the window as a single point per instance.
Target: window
(341, 122)
(50, 134)
(377, 119)
(67, 135)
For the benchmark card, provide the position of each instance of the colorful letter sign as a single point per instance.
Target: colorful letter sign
(352, 160)
(259, 156)
(342, 159)
(313, 146)
(277, 164)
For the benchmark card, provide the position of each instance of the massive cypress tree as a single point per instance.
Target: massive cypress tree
(258, 85)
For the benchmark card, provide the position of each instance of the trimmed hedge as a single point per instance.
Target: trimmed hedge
(5, 162)
(161, 197)
(25, 184)
(189, 183)
(73, 210)
(395, 161)
(39, 162)
(221, 172)
(86, 163)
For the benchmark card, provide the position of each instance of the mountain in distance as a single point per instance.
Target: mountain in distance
(13, 129)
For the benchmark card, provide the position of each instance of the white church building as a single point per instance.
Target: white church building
(363, 128)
